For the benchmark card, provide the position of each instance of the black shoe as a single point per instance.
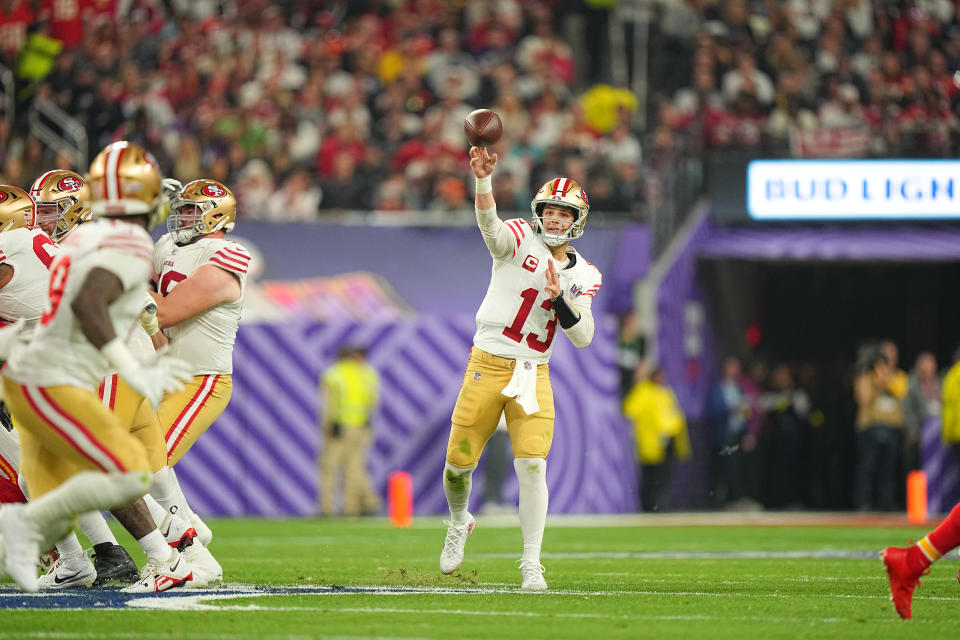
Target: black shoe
(113, 564)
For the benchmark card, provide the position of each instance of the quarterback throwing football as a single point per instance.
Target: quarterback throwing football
(539, 282)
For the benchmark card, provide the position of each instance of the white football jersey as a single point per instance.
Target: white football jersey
(58, 352)
(30, 252)
(516, 319)
(206, 340)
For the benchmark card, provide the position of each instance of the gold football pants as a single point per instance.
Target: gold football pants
(137, 415)
(186, 414)
(478, 409)
(65, 430)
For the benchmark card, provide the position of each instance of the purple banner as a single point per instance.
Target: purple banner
(685, 345)
(259, 458)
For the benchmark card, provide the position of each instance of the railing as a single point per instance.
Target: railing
(673, 185)
(59, 131)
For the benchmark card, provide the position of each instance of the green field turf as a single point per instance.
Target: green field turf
(607, 582)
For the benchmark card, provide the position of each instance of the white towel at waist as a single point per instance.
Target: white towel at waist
(523, 386)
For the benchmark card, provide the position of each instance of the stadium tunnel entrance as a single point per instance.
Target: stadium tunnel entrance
(805, 296)
(821, 312)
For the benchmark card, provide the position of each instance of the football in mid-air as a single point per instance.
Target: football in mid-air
(483, 127)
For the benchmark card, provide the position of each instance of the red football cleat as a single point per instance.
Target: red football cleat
(902, 579)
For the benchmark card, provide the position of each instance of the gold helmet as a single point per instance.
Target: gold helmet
(125, 180)
(17, 208)
(63, 202)
(565, 193)
(202, 207)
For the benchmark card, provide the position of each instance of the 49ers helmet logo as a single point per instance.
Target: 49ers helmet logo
(213, 191)
(3, 196)
(69, 184)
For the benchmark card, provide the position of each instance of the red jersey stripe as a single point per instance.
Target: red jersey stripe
(514, 230)
(228, 267)
(239, 254)
(242, 263)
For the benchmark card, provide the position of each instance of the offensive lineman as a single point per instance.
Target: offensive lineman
(77, 456)
(538, 282)
(201, 278)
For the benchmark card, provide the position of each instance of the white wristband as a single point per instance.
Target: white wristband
(485, 185)
(119, 356)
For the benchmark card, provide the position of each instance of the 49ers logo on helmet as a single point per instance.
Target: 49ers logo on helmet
(214, 191)
(3, 196)
(69, 184)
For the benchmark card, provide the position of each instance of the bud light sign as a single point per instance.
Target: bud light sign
(853, 189)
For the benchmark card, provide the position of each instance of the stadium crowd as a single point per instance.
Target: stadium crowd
(336, 105)
(849, 78)
(311, 105)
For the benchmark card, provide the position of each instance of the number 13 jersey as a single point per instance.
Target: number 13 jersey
(516, 319)
(205, 340)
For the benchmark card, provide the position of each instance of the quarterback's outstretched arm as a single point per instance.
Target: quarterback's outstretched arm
(495, 233)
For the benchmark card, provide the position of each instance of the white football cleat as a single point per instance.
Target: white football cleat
(532, 576)
(452, 555)
(155, 577)
(206, 569)
(177, 532)
(69, 571)
(21, 539)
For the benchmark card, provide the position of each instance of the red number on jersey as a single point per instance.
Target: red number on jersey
(44, 247)
(514, 331)
(58, 281)
(169, 280)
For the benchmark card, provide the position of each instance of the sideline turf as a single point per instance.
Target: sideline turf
(596, 593)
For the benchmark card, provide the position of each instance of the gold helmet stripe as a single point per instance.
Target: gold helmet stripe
(112, 172)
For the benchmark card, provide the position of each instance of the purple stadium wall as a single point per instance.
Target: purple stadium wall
(259, 458)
